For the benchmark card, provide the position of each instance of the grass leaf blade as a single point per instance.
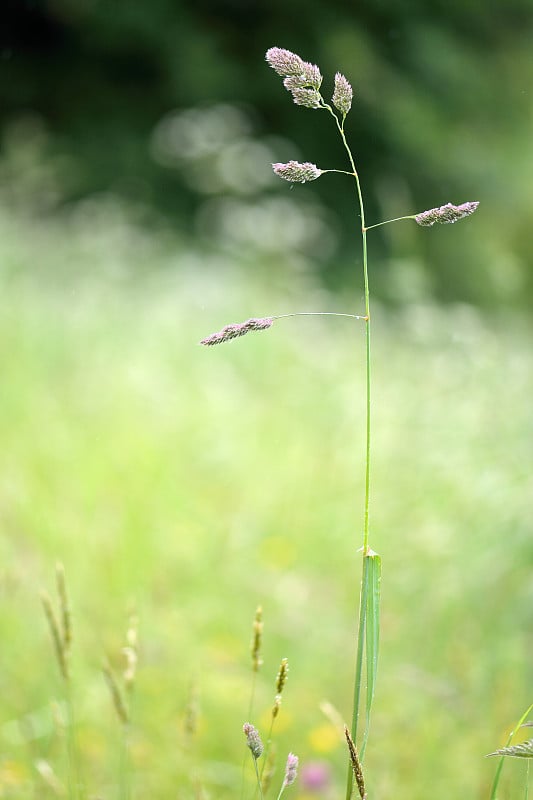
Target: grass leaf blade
(372, 577)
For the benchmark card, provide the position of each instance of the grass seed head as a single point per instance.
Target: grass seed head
(253, 740)
(446, 214)
(523, 750)
(282, 676)
(236, 329)
(281, 680)
(297, 172)
(66, 619)
(291, 769)
(284, 62)
(309, 98)
(343, 94)
(257, 638)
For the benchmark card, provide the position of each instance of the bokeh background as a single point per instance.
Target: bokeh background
(187, 486)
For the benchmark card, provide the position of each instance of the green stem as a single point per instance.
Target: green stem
(387, 221)
(318, 314)
(365, 548)
(258, 778)
(75, 785)
(125, 762)
(267, 748)
(340, 171)
(497, 776)
(364, 229)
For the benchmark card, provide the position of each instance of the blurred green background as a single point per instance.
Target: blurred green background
(138, 213)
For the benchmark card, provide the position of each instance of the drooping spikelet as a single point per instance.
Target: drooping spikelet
(253, 740)
(296, 172)
(237, 329)
(446, 214)
(523, 750)
(343, 94)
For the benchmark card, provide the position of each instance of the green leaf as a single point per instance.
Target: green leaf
(372, 594)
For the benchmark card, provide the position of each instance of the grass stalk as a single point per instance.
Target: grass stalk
(303, 80)
(497, 776)
(368, 623)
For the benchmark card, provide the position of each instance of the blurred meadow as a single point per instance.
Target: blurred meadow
(186, 485)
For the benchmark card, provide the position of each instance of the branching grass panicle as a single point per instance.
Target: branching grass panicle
(303, 80)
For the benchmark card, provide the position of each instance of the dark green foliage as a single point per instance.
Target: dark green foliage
(441, 105)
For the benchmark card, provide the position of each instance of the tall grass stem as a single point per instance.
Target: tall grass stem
(497, 776)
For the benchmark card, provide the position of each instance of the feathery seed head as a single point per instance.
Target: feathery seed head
(293, 82)
(523, 750)
(309, 98)
(312, 75)
(284, 62)
(296, 172)
(301, 78)
(289, 64)
(446, 214)
(343, 94)
(237, 329)
(291, 769)
(253, 740)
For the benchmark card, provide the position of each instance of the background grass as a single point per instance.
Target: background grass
(191, 485)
